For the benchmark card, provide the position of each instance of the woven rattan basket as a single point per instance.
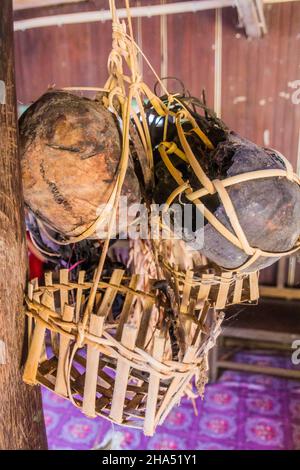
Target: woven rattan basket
(121, 370)
(132, 369)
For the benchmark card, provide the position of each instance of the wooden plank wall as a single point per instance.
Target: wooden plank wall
(256, 97)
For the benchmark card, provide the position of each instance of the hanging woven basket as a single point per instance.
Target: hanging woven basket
(134, 367)
(121, 370)
(249, 197)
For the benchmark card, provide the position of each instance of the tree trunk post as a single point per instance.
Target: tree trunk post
(21, 413)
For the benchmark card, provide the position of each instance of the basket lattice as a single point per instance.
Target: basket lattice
(121, 370)
(219, 291)
(198, 284)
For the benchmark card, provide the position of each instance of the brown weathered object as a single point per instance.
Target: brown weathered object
(70, 150)
(21, 412)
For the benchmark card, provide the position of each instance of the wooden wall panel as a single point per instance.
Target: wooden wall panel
(73, 55)
(256, 76)
(256, 97)
(151, 44)
(191, 40)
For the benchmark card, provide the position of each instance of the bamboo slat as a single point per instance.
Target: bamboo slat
(79, 292)
(37, 343)
(54, 337)
(205, 287)
(223, 291)
(171, 396)
(32, 288)
(153, 390)
(186, 291)
(63, 363)
(127, 306)
(92, 365)
(144, 324)
(122, 374)
(63, 279)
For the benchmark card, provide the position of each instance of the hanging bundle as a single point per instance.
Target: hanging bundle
(134, 364)
(249, 196)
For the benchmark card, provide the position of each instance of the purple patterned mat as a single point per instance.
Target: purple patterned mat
(240, 411)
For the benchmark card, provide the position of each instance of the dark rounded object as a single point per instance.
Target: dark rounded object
(268, 209)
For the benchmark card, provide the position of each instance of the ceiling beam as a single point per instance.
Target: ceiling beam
(151, 10)
(104, 15)
(25, 4)
(252, 17)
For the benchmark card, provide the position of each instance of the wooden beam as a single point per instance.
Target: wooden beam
(256, 369)
(258, 335)
(21, 413)
(136, 12)
(279, 293)
(26, 4)
(252, 18)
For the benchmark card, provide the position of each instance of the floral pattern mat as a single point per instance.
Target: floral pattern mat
(239, 411)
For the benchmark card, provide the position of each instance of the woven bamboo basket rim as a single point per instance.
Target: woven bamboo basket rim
(108, 345)
(205, 278)
(56, 286)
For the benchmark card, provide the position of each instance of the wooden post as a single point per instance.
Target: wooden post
(21, 414)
